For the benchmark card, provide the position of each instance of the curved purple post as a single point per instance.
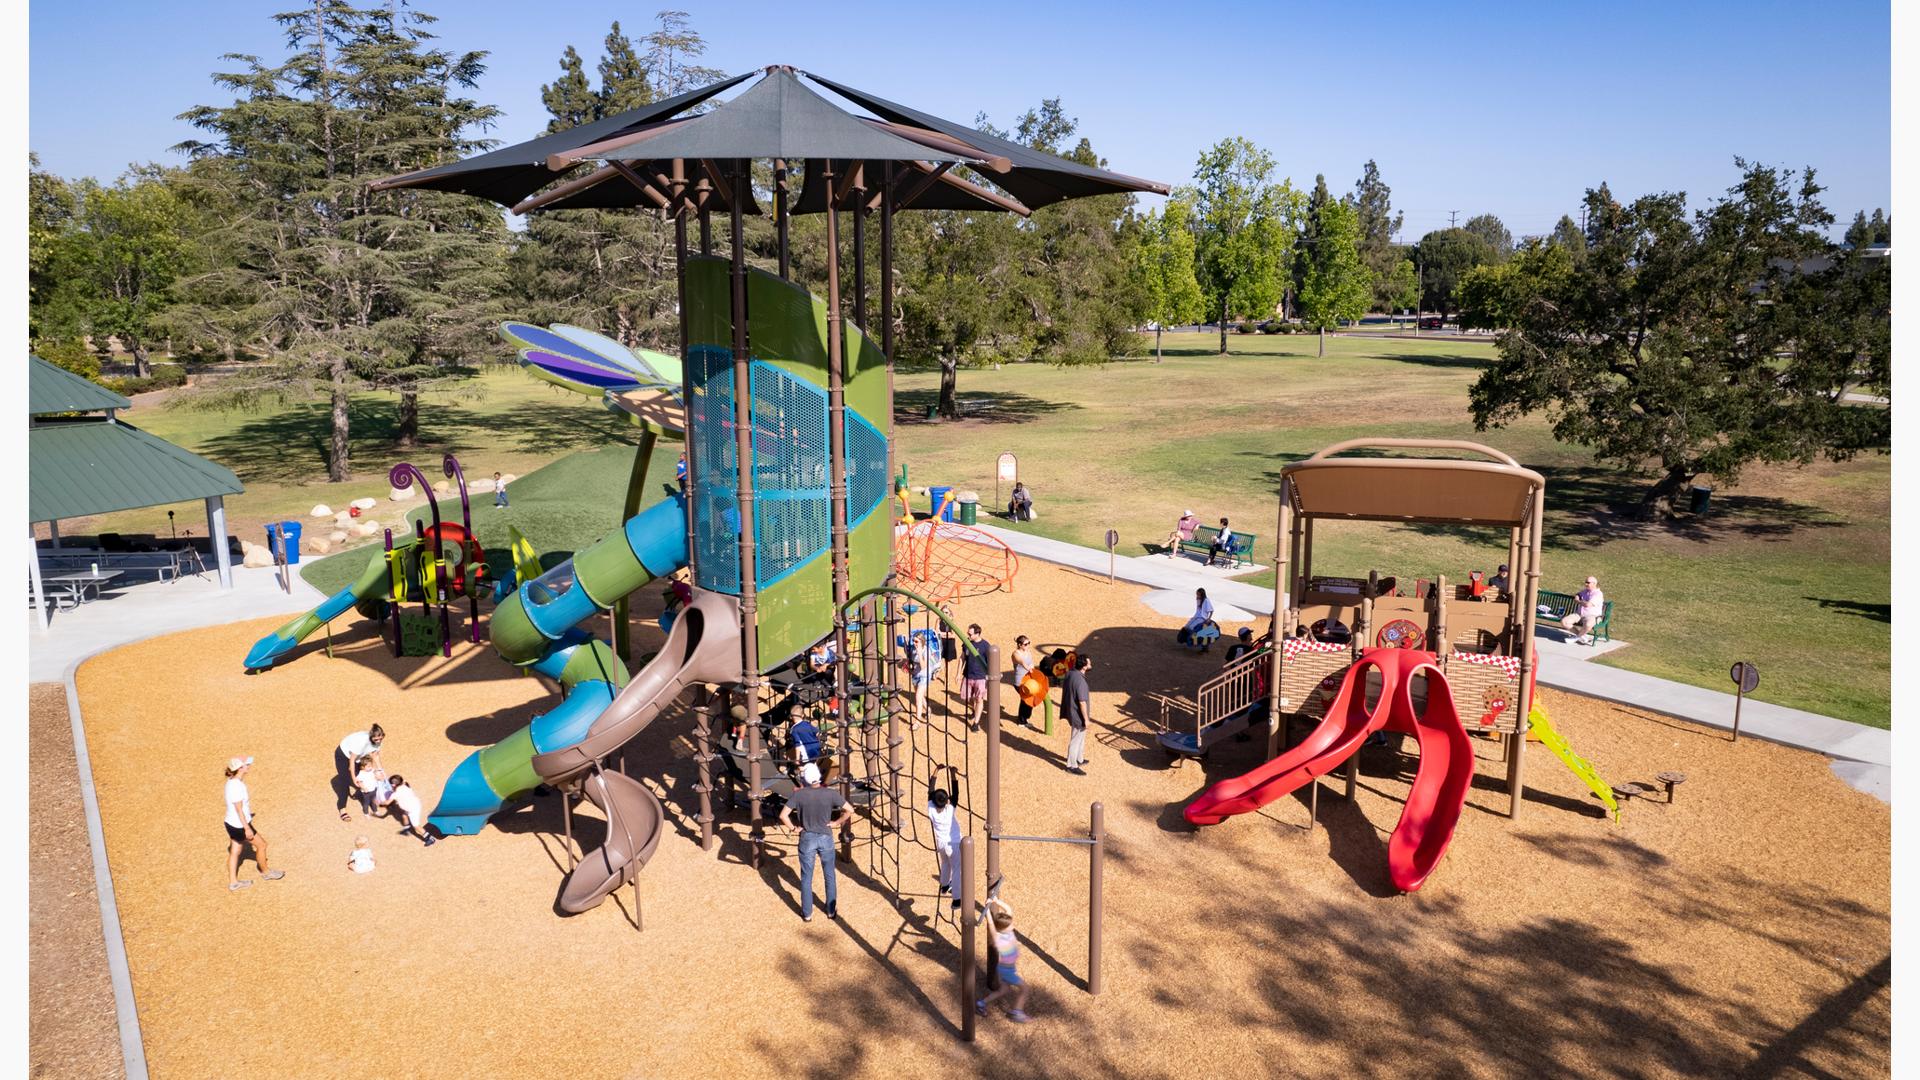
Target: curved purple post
(401, 476)
(452, 467)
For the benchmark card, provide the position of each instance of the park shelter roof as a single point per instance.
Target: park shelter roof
(1442, 490)
(52, 389)
(96, 466)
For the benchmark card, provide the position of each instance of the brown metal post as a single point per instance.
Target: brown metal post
(566, 825)
(1096, 899)
(837, 478)
(636, 490)
(889, 664)
(886, 304)
(967, 943)
(993, 765)
(1439, 645)
(1516, 787)
(703, 761)
(678, 186)
(744, 498)
(1282, 616)
(780, 216)
(860, 247)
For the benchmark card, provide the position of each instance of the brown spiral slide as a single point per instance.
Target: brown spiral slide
(703, 647)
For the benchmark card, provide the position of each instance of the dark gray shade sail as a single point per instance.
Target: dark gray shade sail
(1035, 178)
(778, 117)
(937, 195)
(605, 189)
(511, 173)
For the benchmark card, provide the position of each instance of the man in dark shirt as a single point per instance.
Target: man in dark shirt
(973, 664)
(820, 809)
(1073, 708)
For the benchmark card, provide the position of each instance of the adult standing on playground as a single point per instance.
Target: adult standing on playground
(1025, 659)
(1202, 615)
(973, 669)
(1074, 700)
(1182, 533)
(1592, 604)
(360, 744)
(821, 811)
(240, 830)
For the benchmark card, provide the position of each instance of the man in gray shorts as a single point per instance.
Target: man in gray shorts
(820, 809)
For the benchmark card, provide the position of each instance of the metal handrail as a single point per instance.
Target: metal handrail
(1228, 692)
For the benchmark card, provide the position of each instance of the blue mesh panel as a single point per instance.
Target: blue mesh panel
(716, 520)
(866, 469)
(791, 522)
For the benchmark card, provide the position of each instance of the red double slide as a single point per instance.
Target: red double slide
(1439, 788)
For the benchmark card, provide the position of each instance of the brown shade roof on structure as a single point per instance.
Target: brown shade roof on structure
(1452, 491)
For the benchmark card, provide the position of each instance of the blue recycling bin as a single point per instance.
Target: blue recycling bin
(291, 529)
(938, 495)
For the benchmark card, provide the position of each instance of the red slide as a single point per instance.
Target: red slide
(1439, 787)
(1347, 725)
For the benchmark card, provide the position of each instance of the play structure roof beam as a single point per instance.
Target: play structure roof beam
(592, 192)
(1450, 491)
(1034, 177)
(512, 173)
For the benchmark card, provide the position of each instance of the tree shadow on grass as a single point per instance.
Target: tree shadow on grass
(980, 406)
(1439, 360)
(1877, 612)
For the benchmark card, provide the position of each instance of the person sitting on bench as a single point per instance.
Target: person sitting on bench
(1224, 543)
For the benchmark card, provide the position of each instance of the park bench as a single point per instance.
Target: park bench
(1559, 605)
(1202, 544)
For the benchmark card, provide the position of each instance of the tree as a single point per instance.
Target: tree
(135, 243)
(1489, 228)
(1401, 290)
(1445, 257)
(1309, 236)
(1337, 285)
(352, 289)
(1698, 346)
(1163, 263)
(55, 321)
(1372, 201)
(624, 79)
(672, 49)
(1865, 232)
(1245, 226)
(1568, 237)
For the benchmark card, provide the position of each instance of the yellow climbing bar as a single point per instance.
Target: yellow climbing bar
(1582, 768)
(526, 561)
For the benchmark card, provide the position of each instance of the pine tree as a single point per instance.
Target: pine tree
(1372, 201)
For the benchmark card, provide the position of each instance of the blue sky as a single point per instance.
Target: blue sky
(1508, 108)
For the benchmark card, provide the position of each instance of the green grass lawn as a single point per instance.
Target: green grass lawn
(1790, 571)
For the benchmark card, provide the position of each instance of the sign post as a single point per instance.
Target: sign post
(1006, 470)
(1746, 679)
(1113, 541)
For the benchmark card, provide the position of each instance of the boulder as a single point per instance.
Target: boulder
(362, 504)
(342, 519)
(256, 557)
(337, 536)
(321, 510)
(508, 478)
(370, 524)
(482, 486)
(315, 545)
(443, 487)
(399, 494)
(364, 529)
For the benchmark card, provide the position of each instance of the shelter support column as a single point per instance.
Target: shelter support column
(33, 572)
(1530, 599)
(53, 530)
(217, 535)
(1282, 613)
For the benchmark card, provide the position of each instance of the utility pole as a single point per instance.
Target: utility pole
(1453, 217)
(1419, 292)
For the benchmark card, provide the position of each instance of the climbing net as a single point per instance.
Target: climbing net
(947, 561)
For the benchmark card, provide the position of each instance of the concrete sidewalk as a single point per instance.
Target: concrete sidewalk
(1863, 755)
(158, 607)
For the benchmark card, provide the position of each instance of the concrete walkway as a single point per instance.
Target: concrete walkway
(158, 607)
(1863, 755)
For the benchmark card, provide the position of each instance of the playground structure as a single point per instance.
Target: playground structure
(1358, 656)
(783, 524)
(947, 560)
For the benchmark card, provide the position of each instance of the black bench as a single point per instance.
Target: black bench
(1202, 544)
(1559, 605)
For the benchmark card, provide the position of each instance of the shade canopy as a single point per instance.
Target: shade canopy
(1452, 491)
(918, 186)
(52, 389)
(511, 173)
(96, 466)
(606, 188)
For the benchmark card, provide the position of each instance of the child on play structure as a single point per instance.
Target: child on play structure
(1006, 947)
(946, 830)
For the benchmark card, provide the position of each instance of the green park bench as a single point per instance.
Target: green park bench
(1559, 605)
(1202, 544)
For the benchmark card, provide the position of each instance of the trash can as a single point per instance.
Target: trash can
(1702, 497)
(291, 530)
(969, 509)
(936, 496)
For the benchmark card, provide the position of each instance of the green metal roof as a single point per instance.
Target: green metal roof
(53, 389)
(95, 466)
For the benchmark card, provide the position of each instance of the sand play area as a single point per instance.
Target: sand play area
(1742, 930)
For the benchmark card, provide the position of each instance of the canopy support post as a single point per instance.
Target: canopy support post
(886, 301)
(860, 247)
(837, 478)
(780, 217)
(217, 535)
(743, 496)
(33, 571)
(53, 530)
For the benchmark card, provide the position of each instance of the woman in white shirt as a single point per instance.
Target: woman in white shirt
(1202, 615)
(240, 830)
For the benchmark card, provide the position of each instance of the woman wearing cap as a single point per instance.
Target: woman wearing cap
(1593, 603)
(1182, 533)
(240, 830)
